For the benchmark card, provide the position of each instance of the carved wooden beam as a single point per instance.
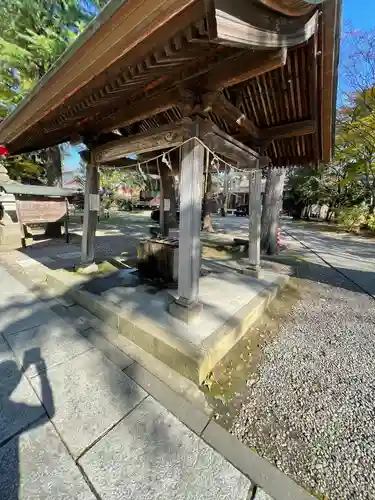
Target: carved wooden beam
(243, 66)
(246, 23)
(154, 139)
(122, 162)
(174, 135)
(293, 8)
(220, 105)
(295, 129)
(188, 101)
(226, 145)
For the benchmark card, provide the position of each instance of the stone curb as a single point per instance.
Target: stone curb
(260, 471)
(182, 409)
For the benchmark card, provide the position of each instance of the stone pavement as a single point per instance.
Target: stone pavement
(80, 419)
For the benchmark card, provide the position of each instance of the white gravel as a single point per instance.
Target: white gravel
(311, 411)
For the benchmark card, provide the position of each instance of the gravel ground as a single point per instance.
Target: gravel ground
(311, 408)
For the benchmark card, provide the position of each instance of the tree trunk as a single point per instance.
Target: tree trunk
(272, 203)
(54, 178)
(372, 202)
(173, 212)
(307, 213)
(54, 166)
(207, 206)
(165, 192)
(225, 199)
(328, 215)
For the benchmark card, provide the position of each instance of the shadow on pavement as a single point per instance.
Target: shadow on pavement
(50, 372)
(20, 417)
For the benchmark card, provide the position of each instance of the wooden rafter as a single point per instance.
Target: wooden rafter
(142, 109)
(314, 100)
(220, 105)
(243, 66)
(295, 129)
(228, 71)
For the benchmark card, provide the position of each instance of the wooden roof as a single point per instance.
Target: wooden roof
(264, 71)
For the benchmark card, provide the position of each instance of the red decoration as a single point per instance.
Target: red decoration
(3, 151)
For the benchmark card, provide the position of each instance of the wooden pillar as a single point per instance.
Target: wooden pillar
(255, 212)
(90, 215)
(186, 306)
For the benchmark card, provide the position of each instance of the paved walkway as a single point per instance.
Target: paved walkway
(353, 256)
(80, 419)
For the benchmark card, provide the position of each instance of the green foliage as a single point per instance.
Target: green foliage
(350, 179)
(110, 178)
(370, 222)
(352, 218)
(24, 168)
(106, 201)
(124, 204)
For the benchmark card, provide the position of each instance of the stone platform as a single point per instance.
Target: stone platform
(231, 303)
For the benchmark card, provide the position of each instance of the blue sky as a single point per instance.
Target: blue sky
(359, 14)
(71, 160)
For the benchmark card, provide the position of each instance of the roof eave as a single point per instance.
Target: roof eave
(89, 31)
(332, 12)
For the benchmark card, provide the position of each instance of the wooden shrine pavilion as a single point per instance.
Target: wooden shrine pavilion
(254, 80)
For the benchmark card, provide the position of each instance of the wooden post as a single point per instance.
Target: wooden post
(186, 306)
(90, 215)
(255, 211)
